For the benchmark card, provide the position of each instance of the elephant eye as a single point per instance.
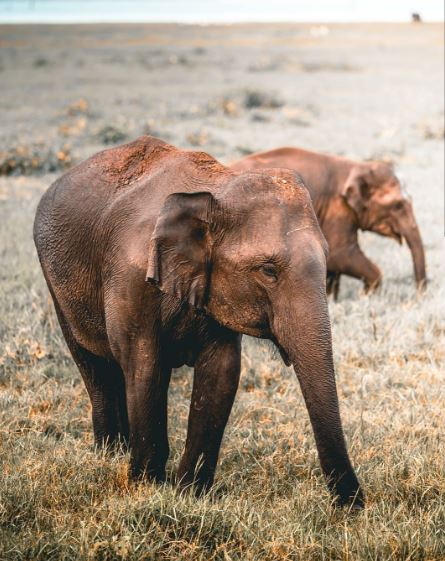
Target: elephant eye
(270, 271)
(200, 233)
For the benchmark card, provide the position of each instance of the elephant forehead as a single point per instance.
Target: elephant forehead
(390, 193)
(272, 216)
(270, 233)
(261, 183)
(274, 203)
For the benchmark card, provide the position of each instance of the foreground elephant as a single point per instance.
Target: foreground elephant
(349, 196)
(157, 257)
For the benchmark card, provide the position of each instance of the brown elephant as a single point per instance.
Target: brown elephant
(157, 257)
(349, 196)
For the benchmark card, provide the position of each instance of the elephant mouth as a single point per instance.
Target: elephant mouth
(285, 357)
(388, 230)
(395, 235)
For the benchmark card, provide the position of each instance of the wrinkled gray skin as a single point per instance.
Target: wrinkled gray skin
(155, 258)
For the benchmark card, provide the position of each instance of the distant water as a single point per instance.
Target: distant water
(217, 11)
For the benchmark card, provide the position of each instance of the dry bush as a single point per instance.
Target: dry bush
(34, 159)
(255, 98)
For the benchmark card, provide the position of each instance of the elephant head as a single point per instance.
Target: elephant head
(253, 257)
(374, 193)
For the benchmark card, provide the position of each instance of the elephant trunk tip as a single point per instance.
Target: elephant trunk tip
(414, 240)
(421, 285)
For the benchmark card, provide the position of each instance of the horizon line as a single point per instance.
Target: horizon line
(74, 21)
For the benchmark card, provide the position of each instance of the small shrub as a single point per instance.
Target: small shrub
(258, 98)
(34, 160)
(111, 135)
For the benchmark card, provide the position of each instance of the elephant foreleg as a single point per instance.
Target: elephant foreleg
(147, 381)
(354, 263)
(215, 383)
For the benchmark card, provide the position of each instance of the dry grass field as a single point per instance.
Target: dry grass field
(359, 90)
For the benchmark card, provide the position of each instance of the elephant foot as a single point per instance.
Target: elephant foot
(372, 286)
(349, 494)
(197, 483)
(354, 504)
(112, 445)
(148, 471)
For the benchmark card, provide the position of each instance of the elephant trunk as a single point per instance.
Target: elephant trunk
(409, 230)
(303, 334)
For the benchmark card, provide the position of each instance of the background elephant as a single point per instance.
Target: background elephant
(157, 257)
(349, 196)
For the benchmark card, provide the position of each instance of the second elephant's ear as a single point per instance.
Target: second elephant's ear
(181, 245)
(358, 189)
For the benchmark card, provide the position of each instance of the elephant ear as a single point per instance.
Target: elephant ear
(180, 247)
(358, 189)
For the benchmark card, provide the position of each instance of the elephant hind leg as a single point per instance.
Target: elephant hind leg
(333, 284)
(105, 384)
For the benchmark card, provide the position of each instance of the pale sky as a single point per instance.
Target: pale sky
(209, 11)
